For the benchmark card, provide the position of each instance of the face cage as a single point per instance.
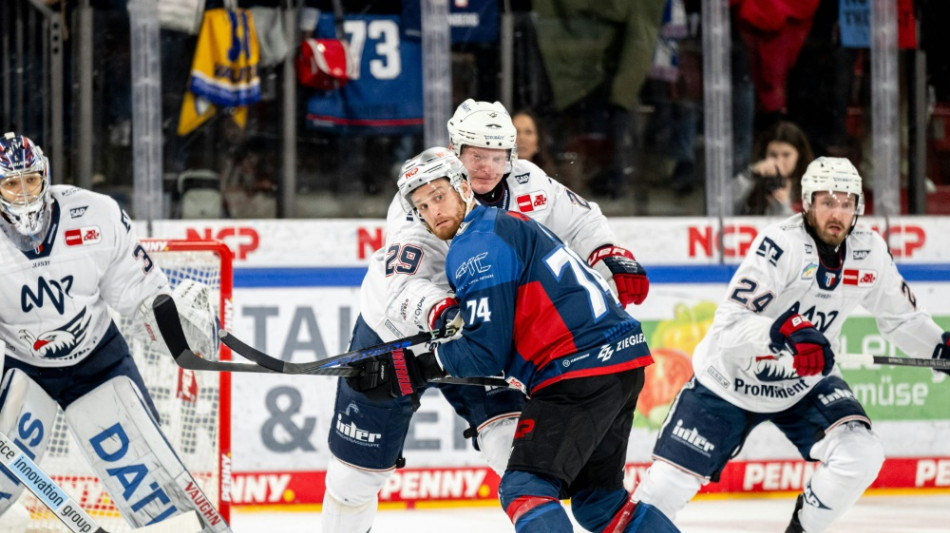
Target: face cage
(27, 218)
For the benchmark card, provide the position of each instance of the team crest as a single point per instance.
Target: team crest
(522, 178)
(58, 343)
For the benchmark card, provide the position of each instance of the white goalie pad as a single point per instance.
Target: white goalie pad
(198, 318)
(26, 416)
(129, 453)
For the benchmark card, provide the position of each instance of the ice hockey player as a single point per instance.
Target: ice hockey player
(536, 312)
(66, 255)
(769, 355)
(405, 290)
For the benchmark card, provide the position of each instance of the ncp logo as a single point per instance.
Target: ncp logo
(242, 240)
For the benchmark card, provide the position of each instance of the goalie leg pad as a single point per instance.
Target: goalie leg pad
(851, 456)
(27, 415)
(351, 497)
(667, 488)
(126, 448)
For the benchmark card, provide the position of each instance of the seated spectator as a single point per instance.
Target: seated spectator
(771, 185)
(532, 143)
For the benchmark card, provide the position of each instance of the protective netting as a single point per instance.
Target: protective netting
(189, 404)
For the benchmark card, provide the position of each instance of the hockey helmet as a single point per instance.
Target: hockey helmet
(832, 174)
(432, 164)
(486, 125)
(24, 182)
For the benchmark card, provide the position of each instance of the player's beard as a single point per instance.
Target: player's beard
(447, 231)
(827, 236)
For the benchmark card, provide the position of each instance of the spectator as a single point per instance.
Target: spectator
(768, 185)
(531, 140)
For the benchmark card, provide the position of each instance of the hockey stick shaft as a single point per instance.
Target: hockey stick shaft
(166, 315)
(45, 489)
(278, 365)
(320, 367)
(868, 359)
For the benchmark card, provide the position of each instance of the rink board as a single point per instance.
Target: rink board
(296, 296)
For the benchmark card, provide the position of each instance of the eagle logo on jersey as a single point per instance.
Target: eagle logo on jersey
(58, 343)
(773, 368)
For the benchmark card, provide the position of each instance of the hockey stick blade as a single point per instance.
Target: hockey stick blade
(45, 489)
(166, 316)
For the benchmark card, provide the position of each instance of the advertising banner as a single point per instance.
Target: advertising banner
(296, 297)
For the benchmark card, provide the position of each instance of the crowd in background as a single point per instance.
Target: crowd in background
(607, 98)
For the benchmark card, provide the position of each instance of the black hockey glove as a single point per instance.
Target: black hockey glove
(396, 374)
(375, 379)
(811, 349)
(942, 351)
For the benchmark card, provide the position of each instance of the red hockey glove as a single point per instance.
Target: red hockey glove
(626, 277)
(811, 349)
(443, 313)
(942, 351)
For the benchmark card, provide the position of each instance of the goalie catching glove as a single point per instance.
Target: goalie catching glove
(626, 277)
(811, 350)
(398, 373)
(942, 351)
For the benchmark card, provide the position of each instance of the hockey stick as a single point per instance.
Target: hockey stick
(868, 359)
(166, 316)
(64, 507)
(335, 366)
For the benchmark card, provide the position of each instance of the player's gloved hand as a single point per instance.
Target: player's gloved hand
(812, 351)
(411, 372)
(626, 277)
(375, 378)
(443, 313)
(942, 351)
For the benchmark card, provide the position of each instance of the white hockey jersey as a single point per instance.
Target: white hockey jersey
(53, 301)
(781, 271)
(406, 277)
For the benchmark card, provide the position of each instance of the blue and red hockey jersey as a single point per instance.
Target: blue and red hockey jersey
(532, 307)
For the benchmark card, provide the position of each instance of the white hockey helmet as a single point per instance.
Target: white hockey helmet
(432, 164)
(832, 174)
(23, 204)
(486, 125)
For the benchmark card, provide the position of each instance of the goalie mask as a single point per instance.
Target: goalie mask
(24, 184)
(486, 125)
(432, 164)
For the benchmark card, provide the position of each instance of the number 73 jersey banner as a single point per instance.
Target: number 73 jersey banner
(384, 90)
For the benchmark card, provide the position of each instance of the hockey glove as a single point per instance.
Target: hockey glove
(626, 277)
(812, 351)
(443, 313)
(375, 379)
(942, 351)
(412, 373)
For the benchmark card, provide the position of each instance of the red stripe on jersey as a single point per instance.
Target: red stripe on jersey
(540, 334)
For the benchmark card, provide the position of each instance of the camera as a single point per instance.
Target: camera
(770, 183)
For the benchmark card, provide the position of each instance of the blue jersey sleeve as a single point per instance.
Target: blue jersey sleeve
(485, 272)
